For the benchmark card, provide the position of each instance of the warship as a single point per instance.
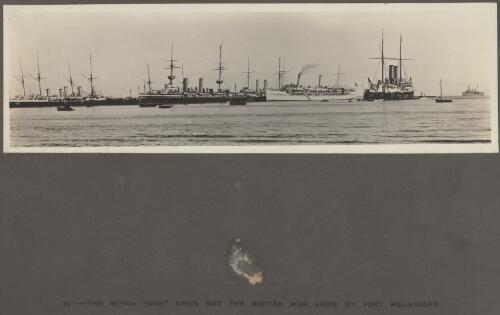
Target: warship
(394, 87)
(171, 94)
(473, 92)
(64, 99)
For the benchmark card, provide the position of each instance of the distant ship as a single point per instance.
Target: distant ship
(473, 92)
(64, 99)
(395, 87)
(171, 94)
(297, 92)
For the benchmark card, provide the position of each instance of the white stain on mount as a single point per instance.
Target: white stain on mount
(243, 263)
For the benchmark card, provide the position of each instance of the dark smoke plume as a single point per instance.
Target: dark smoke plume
(306, 68)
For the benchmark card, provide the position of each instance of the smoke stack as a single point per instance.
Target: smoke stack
(395, 75)
(319, 80)
(79, 91)
(47, 90)
(60, 92)
(257, 83)
(391, 73)
(200, 84)
(265, 85)
(65, 91)
(298, 78)
(185, 85)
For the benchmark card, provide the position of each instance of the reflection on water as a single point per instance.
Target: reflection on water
(272, 123)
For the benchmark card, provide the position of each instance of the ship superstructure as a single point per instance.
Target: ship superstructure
(391, 87)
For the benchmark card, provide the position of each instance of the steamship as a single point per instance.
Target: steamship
(297, 92)
(171, 94)
(394, 87)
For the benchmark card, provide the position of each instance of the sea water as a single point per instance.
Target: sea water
(270, 123)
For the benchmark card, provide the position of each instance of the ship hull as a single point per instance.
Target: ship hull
(283, 96)
(110, 102)
(392, 96)
(154, 100)
(472, 96)
(41, 103)
(256, 98)
(55, 103)
(238, 100)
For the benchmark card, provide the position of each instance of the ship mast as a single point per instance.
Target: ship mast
(338, 77)
(171, 77)
(149, 79)
(248, 74)
(38, 77)
(70, 80)
(441, 88)
(400, 59)
(21, 79)
(382, 51)
(220, 68)
(279, 73)
(91, 78)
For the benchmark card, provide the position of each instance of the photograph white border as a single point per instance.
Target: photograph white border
(491, 147)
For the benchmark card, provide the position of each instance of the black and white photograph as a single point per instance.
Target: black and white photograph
(251, 78)
(249, 159)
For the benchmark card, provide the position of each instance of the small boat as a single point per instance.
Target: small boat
(64, 108)
(165, 106)
(440, 99)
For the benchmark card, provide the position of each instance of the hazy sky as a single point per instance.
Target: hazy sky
(455, 42)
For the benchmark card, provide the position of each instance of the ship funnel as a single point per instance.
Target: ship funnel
(265, 85)
(60, 92)
(298, 79)
(65, 91)
(391, 73)
(47, 91)
(79, 91)
(319, 80)
(257, 83)
(395, 75)
(200, 84)
(185, 85)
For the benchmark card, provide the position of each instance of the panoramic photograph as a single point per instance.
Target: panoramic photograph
(240, 78)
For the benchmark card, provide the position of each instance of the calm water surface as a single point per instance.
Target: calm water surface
(391, 122)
